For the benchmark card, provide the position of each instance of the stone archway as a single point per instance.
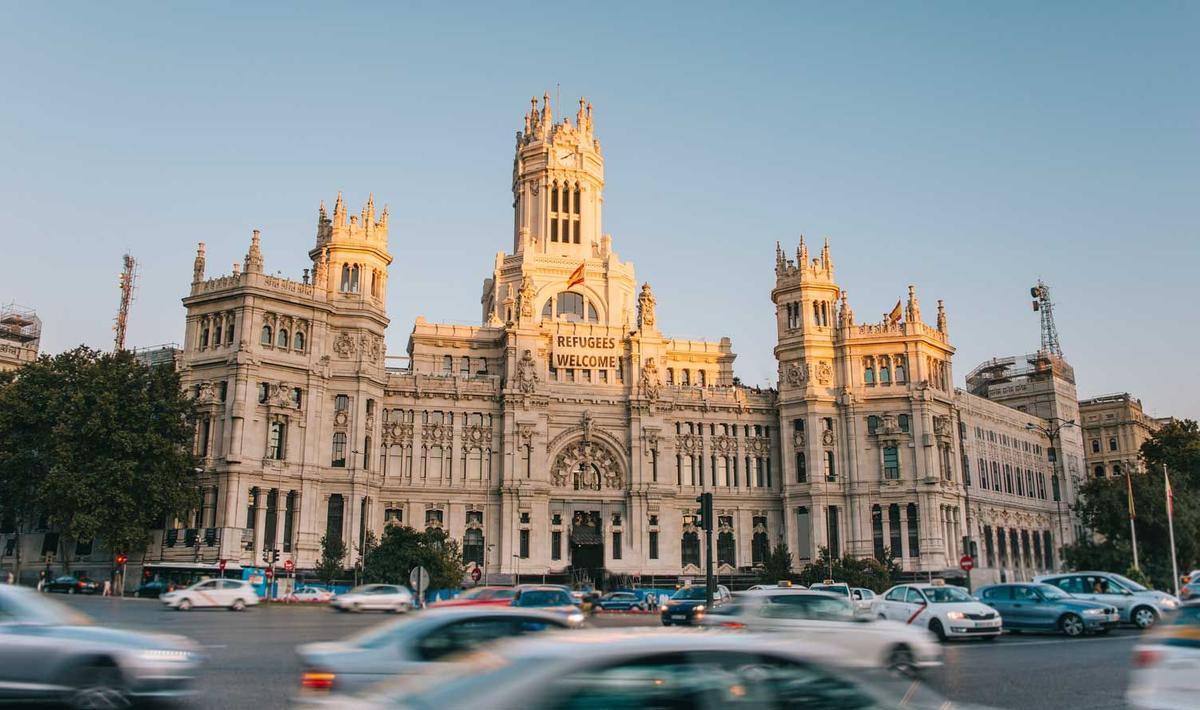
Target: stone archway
(587, 464)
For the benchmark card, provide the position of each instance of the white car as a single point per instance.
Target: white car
(232, 594)
(947, 611)
(827, 618)
(375, 597)
(761, 587)
(862, 598)
(1166, 665)
(310, 594)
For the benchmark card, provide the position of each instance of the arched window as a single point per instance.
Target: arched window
(229, 331)
(345, 285)
(1095, 446)
(689, 549)
(282, 340)
(1099, 471)
(685, 377)
(354, 278)
(570, 306)
(726, 549)
(885, 372)
(872, 424)
(592, 316)
(339, 450)
(473, 546)
(700, 378)
(1112, 444)
(217, 334)
(266, 335)
(760, 548)
(204, 337)
(868, 371)
(548, 309)
(1116, 469)
(670, 375)
(298, 341)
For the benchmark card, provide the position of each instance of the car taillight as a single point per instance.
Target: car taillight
(80, 585)
(316, 680)
(732, 625)
(1145, 657)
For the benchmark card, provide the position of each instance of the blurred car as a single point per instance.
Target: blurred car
(1190, 591)
(686, 607)
(1193, 576)
(839, 588)
(1042, 607)
(70, 584)
(153, 589)
(549, 598)
(608, 668)
(622, 601)
(1137, 605)
(232, 594)
(375, 597)
(410, 645)
(314, 595)
(49, 652)
(480, 596)
(828, 618)
(947, 611)
(862, 598)
(1166, 665)
(785, 585)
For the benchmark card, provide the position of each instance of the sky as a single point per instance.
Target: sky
(964, 148)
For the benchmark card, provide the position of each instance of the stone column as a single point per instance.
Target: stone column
(260, 524)
(280, 517)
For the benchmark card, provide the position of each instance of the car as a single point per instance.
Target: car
(1136, 604)
(862, 598)
(314, 595)
(1043, 607)
(679, 668)
(830, 618)
(1166, 664)
(52, 653)
(152, 589)
(411, 645)
(1193, 576)
(947, 611)
(784, 585)
(70, 584)
(839, 588)
(686, 607)
(1190, 591)
(375, 597)
(232, 594)
(550, 598)
(480, 596)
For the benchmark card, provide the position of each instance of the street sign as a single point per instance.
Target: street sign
(221, 566)
(289, 566)
(476, 575)
(967, 563)
(419, 579)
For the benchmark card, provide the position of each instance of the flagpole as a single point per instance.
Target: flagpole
(1171, 528)
(1132, 515)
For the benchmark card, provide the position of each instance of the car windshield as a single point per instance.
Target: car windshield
(619, 595)
(543, 597)
(383, 634)
(690, 593)
(1129, 583)
(29, 608)
(1050, 592)
(946, 595)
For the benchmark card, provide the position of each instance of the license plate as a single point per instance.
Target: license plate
(988, 623)
(679, 616)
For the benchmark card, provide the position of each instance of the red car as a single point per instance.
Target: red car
(480, 596)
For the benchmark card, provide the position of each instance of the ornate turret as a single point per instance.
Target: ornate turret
(912, 311)
(198, 264)
(254, 257)
(941, 318)
(351, 256)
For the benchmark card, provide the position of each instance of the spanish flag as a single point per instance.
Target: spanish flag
(894, 316)
(576, 277)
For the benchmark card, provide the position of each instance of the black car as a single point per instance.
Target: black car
(68, 584)
(685, 607)
(152, 589)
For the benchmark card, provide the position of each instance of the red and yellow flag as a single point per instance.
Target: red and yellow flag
(894, 316)
(576, 277)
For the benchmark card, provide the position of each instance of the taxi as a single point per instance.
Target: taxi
(947, 611)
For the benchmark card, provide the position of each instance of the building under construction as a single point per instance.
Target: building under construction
(20, 336)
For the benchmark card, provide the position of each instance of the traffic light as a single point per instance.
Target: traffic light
(970, 546)
(275, 555)
(704, 517)
(122, 559)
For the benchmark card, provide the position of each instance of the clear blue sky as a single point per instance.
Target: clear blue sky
(966, 149)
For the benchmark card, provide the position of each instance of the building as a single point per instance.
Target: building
(1114, 429)
(20, 336)
(567, 435)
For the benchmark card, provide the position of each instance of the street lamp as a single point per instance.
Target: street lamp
(1052, 433)
(487, 559)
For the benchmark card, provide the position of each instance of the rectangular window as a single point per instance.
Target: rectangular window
(276, 441)
(654, 544)
(830, 469)
(891, 463)
(835, 543)
(616, 544)
(339, 450)
(554, 230)
(556, 545)
(524, 544)
(914, 532)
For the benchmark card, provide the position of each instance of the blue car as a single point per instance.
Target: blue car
(628, 600)
(1042, 607)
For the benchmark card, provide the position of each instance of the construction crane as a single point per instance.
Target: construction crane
(126, 285)
(1043, 304)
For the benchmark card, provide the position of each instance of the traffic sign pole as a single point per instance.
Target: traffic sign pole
(967, 563)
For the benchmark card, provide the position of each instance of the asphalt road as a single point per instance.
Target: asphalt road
(252, 664)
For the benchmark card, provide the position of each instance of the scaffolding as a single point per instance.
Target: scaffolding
(1020, 368)
(20, 326)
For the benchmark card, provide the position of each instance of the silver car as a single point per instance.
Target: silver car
(375, 597)
(1136, 604)
(50, 652)
(411, 645)
(608, 668)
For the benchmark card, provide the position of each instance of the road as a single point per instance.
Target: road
(252, 664)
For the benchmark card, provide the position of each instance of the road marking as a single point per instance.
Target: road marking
(215, 645)
(1048, 642)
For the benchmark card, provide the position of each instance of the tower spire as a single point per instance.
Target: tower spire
(913, 310)
(941, 318)
(198, 264)
(254, 257)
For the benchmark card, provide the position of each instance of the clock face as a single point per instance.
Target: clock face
(564, 155)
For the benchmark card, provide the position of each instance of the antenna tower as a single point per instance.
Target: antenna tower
(126, 285)
(1043, 304)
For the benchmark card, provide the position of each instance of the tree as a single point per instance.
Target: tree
(866, 572)
(402, 548)
(333, 552)
(99, 443)
(1103, 508)
(777, 566)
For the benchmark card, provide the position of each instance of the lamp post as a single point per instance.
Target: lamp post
(1052, 433)
(487, 562)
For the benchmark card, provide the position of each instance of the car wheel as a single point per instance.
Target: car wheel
(238, 605)
(1144, 617)
(184, 604)
(936, 627)
(356, 607)
(900, 661)
(97, 687)
(1071, 625)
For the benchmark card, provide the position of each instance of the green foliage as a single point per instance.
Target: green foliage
(1138, 576)
(402, 548)
(865, 572)
(330, 566)
(100, 443)
(1103, 509)
(777, 566)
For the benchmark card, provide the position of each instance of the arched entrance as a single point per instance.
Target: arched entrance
(587, 546)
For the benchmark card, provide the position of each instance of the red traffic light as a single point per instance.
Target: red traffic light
(122, 559)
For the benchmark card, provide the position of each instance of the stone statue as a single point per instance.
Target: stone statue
(527, 295)
(646, 303)
(527, 377)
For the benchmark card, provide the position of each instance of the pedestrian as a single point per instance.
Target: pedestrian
(108, 587)
(41, 580)
(11, 578)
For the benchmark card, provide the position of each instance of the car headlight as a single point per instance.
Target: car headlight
(165, 654)
(955, 615)
(662, 607)
(1094, 612)
(1169, 603)
(575, 618)
(699, 609)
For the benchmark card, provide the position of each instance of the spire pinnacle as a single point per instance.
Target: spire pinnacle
(941, 318)
(913, 309)
(198, 265)
(254, 257)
